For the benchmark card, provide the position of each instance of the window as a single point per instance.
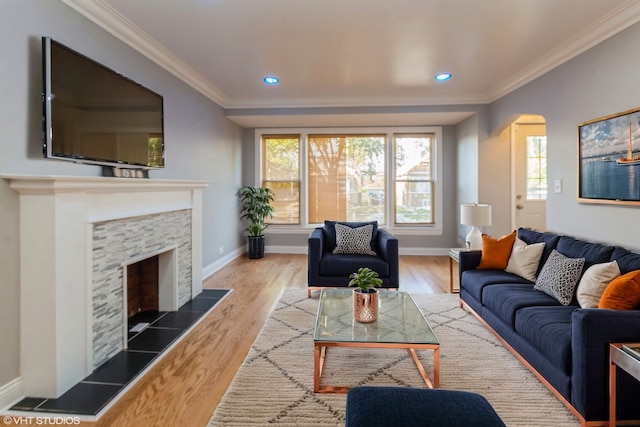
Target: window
(346, 179)
(536, 167)
(391, 175)
(413, 179)
(281, 173)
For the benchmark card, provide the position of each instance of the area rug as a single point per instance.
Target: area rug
(274, 385)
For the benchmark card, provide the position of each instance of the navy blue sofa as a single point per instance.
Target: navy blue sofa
(567, 347)
(326, 269)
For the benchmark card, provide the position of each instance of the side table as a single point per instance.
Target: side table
(627, 358)
(454, 258)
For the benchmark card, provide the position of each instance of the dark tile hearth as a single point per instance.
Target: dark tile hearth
(121, 368)
(92, 394)
(154, 339)
(83, 398)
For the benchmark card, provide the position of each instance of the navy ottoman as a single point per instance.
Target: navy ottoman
(401, 406)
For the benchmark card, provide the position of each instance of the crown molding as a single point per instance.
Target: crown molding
(620, 18)
(122, 28)
(414, 101)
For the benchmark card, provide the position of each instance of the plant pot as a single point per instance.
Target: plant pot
(365, 306)
(256, 247)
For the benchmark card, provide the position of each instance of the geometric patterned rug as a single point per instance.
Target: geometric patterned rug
(274, 385)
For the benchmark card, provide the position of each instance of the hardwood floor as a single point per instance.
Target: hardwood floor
(187, 385)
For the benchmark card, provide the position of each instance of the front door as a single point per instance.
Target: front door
(530, 184)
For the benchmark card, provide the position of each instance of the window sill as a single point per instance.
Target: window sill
(397, 231)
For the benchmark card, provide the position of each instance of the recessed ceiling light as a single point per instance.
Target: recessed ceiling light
(271, 80)
(443, 76)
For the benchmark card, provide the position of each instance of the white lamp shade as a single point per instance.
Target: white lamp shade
(475, 215)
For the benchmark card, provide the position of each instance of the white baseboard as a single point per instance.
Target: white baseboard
(11, 393)
(221, 262)
(270, 249)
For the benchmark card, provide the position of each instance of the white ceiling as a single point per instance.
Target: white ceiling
(330, 53)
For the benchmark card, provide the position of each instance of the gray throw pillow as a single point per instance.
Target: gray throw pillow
(559, 277)
(353, 240)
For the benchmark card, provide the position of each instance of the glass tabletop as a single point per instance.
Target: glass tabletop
(399, 320)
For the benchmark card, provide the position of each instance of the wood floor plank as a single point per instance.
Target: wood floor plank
(187, 385)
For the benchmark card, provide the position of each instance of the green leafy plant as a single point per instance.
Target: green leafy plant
(366, 279)
(255, 206)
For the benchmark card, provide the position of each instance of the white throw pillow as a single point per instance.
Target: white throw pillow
(524, 259)
(594, 281)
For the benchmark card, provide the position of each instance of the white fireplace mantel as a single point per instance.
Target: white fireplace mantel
(56, 217)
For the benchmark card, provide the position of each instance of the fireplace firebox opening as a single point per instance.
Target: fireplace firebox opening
(150, 288)
(142, 286)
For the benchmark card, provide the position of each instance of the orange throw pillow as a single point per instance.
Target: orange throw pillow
(496, 252)
(623, 293)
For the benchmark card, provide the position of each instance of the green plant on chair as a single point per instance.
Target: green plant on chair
(366, 279)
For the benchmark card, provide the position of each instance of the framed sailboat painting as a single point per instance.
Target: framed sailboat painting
(609, 159)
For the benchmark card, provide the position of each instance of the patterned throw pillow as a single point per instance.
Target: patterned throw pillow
(559, 277)
(353, 240)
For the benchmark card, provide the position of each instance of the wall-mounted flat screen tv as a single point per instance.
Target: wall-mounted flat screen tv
(92, 114)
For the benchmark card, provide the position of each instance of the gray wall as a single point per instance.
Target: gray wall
(466, 171)
(600, 82)
(201, 143)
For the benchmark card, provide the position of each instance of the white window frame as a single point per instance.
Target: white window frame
(398, 229)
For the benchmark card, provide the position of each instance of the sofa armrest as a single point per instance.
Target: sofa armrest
(388, 250)
(468, 260)
(592, 330)
(314, 255)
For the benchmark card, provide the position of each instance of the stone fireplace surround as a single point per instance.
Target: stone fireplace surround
(121, 242)
(61, 270)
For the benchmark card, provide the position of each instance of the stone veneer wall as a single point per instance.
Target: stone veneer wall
(117, 241)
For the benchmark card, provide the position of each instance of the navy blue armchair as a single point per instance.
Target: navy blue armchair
(369, 406)
(329, 270)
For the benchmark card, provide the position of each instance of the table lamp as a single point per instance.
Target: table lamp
(475, 215)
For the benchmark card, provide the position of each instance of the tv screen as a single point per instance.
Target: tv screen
(94, 115)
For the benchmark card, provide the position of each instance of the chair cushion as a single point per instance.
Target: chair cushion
(344, 265)
(353, 240)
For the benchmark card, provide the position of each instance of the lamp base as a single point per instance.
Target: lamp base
(474, 239)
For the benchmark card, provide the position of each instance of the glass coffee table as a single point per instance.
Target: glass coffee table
(400, 325)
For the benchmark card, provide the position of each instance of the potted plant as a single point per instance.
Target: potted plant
(255, 205)
(365, 296)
